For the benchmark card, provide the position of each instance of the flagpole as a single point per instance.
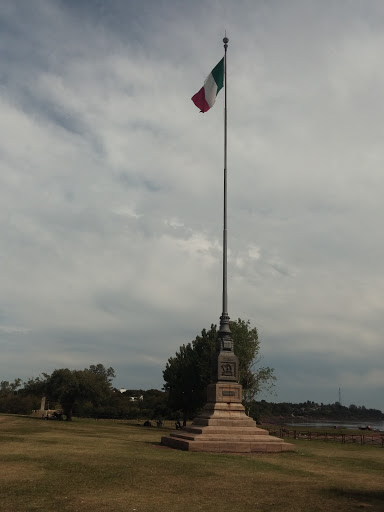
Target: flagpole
(225, 342)
(225, 231)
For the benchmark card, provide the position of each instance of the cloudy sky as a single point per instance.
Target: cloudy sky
(111, 187)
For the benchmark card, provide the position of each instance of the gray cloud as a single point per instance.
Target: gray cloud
(111, 188)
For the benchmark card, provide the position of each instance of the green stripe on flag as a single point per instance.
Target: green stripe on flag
(218, 74)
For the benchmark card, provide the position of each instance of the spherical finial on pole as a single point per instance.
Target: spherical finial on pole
(225, 41)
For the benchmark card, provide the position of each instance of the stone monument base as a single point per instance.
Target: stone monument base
(224, 427)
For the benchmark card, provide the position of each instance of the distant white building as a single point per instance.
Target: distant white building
(132, 398)
(136, 398)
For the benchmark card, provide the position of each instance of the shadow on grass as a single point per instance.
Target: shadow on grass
(357, 494)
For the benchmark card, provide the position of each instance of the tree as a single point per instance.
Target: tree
(247, 348)
(15, 400)
(188, 373)
(63, 386)
(9, 388)
(256, 381)
(99, 369)
(36, 385)
(71, 387)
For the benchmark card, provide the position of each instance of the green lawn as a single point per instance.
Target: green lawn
(118, 466)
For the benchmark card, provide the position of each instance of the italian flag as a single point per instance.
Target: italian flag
(206, 97)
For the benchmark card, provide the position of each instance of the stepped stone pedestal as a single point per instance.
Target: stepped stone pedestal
(223, 426)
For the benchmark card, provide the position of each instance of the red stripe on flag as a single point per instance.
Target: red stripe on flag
(200, 101)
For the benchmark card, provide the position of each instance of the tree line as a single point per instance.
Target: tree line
(90, 393)
(21, 398)
(83, 393)
(264, 410)
(153, 404)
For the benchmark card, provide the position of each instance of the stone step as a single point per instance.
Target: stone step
(228, 446)
(225, 438)
(237, 417)
(223, 430)
(224, 406)
(223, 409)
(223, 422)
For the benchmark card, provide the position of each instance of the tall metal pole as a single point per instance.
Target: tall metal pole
(224, 332)
(225, 230)
(227, 364)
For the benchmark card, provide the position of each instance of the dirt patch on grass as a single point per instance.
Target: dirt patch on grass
(16, 471)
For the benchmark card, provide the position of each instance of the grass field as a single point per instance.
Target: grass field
(118, 466)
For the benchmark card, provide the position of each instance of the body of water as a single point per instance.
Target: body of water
(376, 425)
